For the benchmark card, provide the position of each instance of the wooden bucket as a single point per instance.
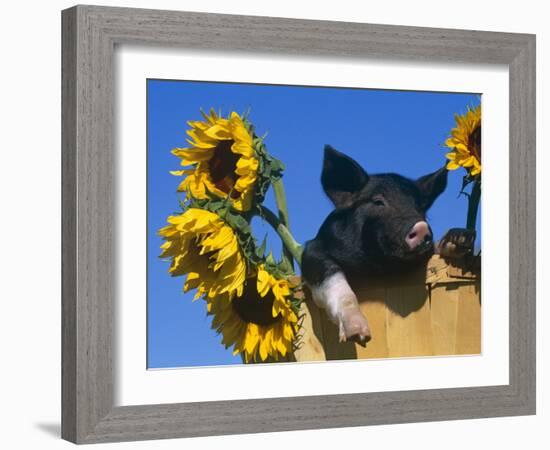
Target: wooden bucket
(436, 311)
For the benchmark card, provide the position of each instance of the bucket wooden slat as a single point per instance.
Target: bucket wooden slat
(378, 346)
(469, 321)
(444, 305)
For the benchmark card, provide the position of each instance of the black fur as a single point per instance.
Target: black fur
(366, 232)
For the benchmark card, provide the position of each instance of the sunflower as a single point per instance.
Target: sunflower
(201, 245)
(261, 322)
(465, 141)
(222, 159)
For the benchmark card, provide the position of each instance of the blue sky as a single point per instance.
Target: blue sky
(385, 131)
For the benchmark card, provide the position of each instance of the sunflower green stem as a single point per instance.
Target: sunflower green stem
(289, 243)
(280, 199)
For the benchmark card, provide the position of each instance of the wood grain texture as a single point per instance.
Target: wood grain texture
(89, 267)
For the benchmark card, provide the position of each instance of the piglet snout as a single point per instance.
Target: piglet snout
(418, 234)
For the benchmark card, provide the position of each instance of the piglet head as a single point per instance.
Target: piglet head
(387, 212)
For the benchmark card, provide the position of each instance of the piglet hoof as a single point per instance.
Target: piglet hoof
(457, 243)
(361, 339)
(354, 327)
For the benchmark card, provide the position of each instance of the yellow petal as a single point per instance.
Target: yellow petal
(192, 156)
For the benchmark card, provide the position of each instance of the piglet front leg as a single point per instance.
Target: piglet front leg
(457, 243)
(335, 295)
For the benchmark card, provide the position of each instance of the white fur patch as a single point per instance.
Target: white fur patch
(333, 294)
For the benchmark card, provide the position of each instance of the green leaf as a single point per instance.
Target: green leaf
(270, 259)
(286, 266)
(277, 165)
(261, 249)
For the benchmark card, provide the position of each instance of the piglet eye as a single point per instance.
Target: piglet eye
(378, 202)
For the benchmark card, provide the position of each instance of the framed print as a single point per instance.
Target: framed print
(265, 228)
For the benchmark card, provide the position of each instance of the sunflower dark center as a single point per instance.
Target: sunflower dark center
(252, 308)
(474, 142)
(222, 168)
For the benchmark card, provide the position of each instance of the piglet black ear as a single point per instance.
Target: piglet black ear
(432, 185)
(342, 177)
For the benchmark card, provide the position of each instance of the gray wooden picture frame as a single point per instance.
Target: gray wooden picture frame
(90, 34)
